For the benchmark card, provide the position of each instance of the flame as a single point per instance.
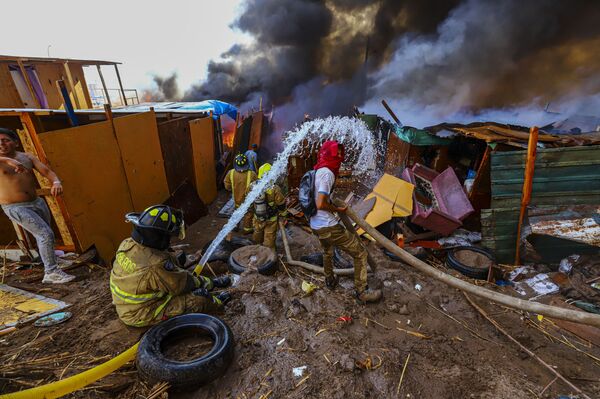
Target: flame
(228, 134)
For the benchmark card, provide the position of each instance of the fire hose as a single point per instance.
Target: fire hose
(506, 300)
(71, 384)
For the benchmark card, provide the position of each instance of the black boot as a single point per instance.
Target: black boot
(221, 282)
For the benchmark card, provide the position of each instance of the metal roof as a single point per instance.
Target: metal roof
(516, 136)
(51, 60)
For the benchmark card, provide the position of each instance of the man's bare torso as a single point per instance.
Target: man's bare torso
(17, 187)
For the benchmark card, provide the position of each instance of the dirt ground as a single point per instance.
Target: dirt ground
(449, 350)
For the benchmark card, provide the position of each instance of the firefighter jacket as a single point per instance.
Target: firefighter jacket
(238, 183)
(144, 281)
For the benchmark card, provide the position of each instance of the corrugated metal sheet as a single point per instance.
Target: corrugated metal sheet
(563, 176)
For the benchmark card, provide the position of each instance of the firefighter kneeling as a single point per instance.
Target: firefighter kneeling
(268, 206)
(147, 283)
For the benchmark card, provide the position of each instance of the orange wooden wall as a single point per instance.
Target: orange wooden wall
(203, 144)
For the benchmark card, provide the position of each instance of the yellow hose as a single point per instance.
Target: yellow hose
(73, 383)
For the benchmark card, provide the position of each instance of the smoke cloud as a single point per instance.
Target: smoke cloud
(432, 60)
(166, 89)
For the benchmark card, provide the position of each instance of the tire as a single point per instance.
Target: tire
(239, 242)
(480, 273)
(221, 253)
(269, 267)
(154, 367)
(339, 262)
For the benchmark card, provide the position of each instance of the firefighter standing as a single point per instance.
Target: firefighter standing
(238, 181)
(267, 208)
(147, 283)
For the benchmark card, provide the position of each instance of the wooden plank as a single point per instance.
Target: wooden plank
(88, 161)
(107, 99)
(137, 136)
(48, 75)
(45, 184)
(120, 84)
(256, 128)
(201, 131)
(33, 126)
(29, 85)
(71, 85)
(9, 95)
(396, 155)
(176, 145)
(589, 333)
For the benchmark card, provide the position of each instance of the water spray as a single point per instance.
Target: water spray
(353, 133)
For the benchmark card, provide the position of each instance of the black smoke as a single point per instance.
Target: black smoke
(166, 89)
(431, 59)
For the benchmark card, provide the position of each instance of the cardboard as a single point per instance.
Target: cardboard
(394, 198)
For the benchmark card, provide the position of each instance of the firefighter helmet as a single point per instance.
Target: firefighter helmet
(240, 163)
(263, 170)
(156, 225)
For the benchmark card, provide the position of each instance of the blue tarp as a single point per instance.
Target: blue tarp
(217, 107)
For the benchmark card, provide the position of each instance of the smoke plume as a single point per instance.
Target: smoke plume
(166, 89)
(432, 60)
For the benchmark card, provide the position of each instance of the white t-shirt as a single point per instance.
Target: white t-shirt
(324, 179)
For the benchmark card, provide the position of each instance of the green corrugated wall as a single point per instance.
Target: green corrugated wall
(563, 176)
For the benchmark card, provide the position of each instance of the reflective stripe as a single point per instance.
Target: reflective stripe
(133, 298)
(232, 184)
(162, 306)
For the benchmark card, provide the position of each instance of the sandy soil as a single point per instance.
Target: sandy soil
(454, 352)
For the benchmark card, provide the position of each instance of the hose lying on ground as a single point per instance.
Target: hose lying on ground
(307, 266)
(78, 381)
(507, 300)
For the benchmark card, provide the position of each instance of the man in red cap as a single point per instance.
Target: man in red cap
(326, 224)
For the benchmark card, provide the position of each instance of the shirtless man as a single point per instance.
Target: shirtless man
(21, 204)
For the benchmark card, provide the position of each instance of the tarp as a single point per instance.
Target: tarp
(217, 107)
(419, 137)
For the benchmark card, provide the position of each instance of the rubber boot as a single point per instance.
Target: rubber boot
(331, 282)
(221, 281)
(368, 295)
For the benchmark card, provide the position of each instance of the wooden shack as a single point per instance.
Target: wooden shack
(31, 82)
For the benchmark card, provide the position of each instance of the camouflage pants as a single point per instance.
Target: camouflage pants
(338, 236)
(265, 232)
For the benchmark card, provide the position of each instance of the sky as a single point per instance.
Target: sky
(146, 36)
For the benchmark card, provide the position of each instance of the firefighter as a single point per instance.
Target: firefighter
(238, 181)
(269, 205)
(147, 282)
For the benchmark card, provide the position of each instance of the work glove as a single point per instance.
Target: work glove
(222, 298)
(221, 282)
(203, 282)
(201, 292)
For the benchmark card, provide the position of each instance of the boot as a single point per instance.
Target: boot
(331, 282)
(221, 282)
(368, 295)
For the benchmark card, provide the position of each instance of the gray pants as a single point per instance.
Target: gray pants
(34, 217)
